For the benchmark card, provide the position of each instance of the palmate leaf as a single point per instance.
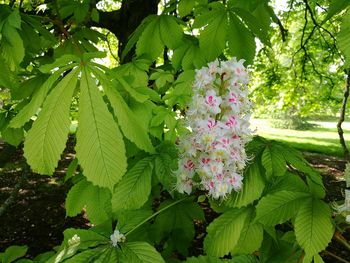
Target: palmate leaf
(46, 139)
(100, 147)
(96, 200)
(37, 99)
(12, 253)
(313, 226)
(224, 232)
(139, 252)
(235, 259)
(279, 207)
(133, 190)
(253, 179)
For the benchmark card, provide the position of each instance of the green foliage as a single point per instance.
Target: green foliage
(13, 253)
(96, 201)
(133, 190)
(343, 36)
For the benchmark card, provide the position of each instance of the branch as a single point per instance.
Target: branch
(342, 117)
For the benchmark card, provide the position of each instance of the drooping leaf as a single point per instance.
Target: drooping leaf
(277, 208)
(100, 147)
(133, 190)
(224, 232)
(96, 200)
(47, 138)
(253, 179)
(313, 226)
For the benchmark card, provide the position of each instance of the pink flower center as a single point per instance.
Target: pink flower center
(231, 122)
(189, 165)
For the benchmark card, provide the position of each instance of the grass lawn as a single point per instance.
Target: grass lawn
(322, 139)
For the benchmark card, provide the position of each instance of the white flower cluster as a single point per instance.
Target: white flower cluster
(212, 154)
(344, 209)
(117, 237)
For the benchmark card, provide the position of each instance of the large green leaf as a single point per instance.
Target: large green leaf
(241, 41)
(343, 37)
(313, 226)
(96, 200)
(235, 259)
(37, 99)
(140, 252)
(100, 147)
(47, 138)
(251, 236)
(133, 190)
(212, 38)
(335, 7)
(253, 179)
(224, 232)
(279, 207)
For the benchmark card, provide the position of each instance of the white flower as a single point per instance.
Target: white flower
(117, 237)
(218, 129)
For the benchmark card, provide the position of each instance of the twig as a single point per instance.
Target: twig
(335, 256)
(342, 117)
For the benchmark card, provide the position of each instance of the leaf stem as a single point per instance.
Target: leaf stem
(155, 214)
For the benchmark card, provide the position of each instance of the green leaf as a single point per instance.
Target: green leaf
(224, 232)
(128, 122)
(212, 38)
(290, 182)
(100, 147)
(313, 226)
(176, 224)
(279, 207)
(273, 162)
(185, 7)
(343, 37)
(128, 219)
(140, 252)
(251, 236)
(209, 259)
(11, 45)
(170, 31)
(14, 252)
(47, 138)
(96, 201)
(335, 7)
(149, 42)
(133, 190)
(12, 136)
(87, 256)
(253, 179)
(241, 41)
(318, 259)
(38, 98)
